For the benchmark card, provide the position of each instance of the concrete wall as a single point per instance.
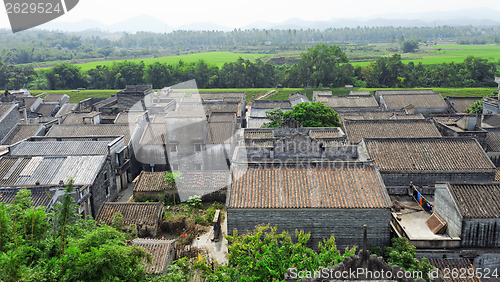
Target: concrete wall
(480, 136)
(98, 190)
(345, 224)
(402, 178)
(8, 122)
(445, 206)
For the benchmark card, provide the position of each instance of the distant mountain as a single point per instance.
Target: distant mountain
(476, 16)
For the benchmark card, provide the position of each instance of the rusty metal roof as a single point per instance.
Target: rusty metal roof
(356, 130)
(133, 213)
(330, 185)
(453, 154)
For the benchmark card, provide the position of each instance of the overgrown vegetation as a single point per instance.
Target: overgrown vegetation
(308, 114)
(60, 246)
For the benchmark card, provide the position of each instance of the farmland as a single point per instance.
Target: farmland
(213, 58)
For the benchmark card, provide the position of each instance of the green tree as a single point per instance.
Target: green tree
(475, 108)
(309, 114)
(65, 76)
(409, 46)
(403, 254)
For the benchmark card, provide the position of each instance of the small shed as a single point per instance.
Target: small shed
(162, 254)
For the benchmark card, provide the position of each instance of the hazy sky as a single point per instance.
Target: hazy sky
(236, 13)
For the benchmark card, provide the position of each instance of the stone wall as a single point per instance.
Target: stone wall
(445, 206)
(345, 224)
(98, 190)
(425, 178)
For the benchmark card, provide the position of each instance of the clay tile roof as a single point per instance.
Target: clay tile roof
(5, 109)
(404, 91)
(338, 185)
(258, 133)
(151, 182)
(271, 104)
(477, 200)
(91, 130)
(133, 213)
(47, 110)
(420, 101)
(222, 117)
(455, 154)
(21, 132)
(356, 130)
(328, 133)
(53, 97)
(41, 197)
(493, 140)
(161, 252)
(454, 263)
(78, 118)
(220, 132)
(460, 104)
(349, 101)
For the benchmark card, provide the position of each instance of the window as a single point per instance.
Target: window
(173, 148)
(198, 147)
(106, 182)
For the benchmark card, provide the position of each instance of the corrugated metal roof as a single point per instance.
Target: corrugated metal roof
(356, 130)
(61, 148)
(133, 213)
(159, 250)
(428, 154)
(477, 200)
(41, 197)
(49, 170)
(336, 185)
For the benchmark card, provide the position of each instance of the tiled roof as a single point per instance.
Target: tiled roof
(220, 132)
(477, 200)
(222, 117)
(224, 96)
(151, 182)
(5, 109)
(428, 154)
(226, 107)
(349, 101)
(460, 104)
(359, 129)
(133, 213)
(204, 180)
(130, 117)
(47, 110)
(257, 122)
(61, 148)
(365, 92)
(153, 134)
(333, 132)
(339, 185)
(405, 92)
(378, 115)
(497, 175)
(78, 118)
(493, 140)
(420, 101)
(258, 134)
(91, 130)
(30, 100)
(53, 97)
(462, 266)
(491, 120)
(66, 109)
(159, 250)
(41, 197)
(271, 104)
(22, 131)
(49, 170)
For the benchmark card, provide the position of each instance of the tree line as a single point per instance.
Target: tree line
(44, 46)
(320, 66)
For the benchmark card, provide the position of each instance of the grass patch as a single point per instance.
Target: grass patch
(76, 97)
(212, 58)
